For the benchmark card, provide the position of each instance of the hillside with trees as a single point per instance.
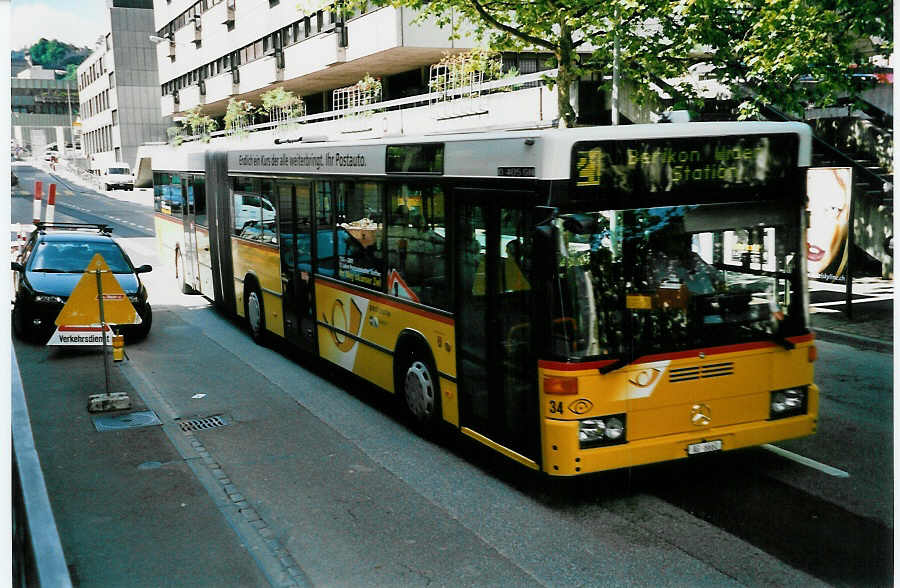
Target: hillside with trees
(53, 54)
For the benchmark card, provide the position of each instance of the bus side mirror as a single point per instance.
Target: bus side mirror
(16, 266)
(143, 269)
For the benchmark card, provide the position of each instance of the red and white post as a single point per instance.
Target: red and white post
(51, 203)
(38, 192)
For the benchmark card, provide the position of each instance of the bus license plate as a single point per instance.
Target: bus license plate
(704, 447)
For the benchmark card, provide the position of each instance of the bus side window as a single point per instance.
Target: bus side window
(417, 267)
(360, 233)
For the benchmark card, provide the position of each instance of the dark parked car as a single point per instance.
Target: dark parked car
(52, 262)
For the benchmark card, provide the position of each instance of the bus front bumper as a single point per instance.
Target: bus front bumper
(564, 457)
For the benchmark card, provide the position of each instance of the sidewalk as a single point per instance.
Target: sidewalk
(129, 508)
(872, 322)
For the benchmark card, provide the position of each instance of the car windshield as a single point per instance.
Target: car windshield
(671, 278)
(74, 256)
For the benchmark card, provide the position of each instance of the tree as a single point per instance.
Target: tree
(56, 54)
(560, 28)
(786, 53)
(758, 48)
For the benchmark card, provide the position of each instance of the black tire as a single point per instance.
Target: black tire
(255, 314)
(20, 329)
(140, 332)
(419, 389)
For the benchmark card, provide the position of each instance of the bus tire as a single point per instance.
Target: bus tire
(254, 313)
(420, 389)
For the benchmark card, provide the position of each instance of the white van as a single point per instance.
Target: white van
(116, 175)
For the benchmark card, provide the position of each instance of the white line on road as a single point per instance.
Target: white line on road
(826, 469)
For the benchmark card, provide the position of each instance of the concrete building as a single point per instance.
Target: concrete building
(119, 88)
(44, 108)
(213, 50)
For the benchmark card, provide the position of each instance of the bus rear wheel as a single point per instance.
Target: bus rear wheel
(421, 393)
(253, 310)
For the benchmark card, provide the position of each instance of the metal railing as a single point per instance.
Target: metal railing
(420, 100)
(38, 558)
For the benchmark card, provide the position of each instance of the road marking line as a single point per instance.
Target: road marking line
(825, 469)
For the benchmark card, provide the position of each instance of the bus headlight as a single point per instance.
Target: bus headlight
(787, 403)
(601, 431)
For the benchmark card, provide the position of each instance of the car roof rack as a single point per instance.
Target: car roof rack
(99, 227)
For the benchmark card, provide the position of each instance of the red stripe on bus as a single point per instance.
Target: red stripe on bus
(571, 367)
(592, 365)
(382, 299)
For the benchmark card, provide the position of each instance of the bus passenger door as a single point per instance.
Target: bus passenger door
(190, 233)
(496, 365)
(295, 229)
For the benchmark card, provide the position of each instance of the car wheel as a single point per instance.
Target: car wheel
(140, 332)
(254, 312)
(420, 389)
(20, 328)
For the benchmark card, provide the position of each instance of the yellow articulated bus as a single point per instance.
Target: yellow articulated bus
(578, 300)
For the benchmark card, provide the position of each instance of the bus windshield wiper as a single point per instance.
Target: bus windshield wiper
(621, 362)
(50, 270)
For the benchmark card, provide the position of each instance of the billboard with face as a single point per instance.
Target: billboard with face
(829, 190)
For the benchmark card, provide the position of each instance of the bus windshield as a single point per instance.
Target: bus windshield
(651, 280)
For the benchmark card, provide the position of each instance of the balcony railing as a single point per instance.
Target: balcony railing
(426, 112)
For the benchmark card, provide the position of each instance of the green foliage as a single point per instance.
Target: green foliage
(199, 124)
(71, 72)
(785, 53)
(238, 114)
(56, 54)
(761, 50)
(285, 100)
(175, 136)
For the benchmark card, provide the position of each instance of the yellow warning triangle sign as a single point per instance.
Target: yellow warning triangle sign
(83, 306)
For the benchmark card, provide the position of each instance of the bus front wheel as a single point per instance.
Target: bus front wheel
(253, 310)
(421, 393)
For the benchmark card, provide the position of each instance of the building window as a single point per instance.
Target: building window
(115, 117)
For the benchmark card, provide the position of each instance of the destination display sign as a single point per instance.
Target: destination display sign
(694, 164)
(323, 160)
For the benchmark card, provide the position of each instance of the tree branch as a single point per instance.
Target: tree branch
(510, 30)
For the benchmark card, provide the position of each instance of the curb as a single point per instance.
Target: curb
(855, 340)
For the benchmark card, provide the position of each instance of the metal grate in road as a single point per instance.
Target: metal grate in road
(203, 423)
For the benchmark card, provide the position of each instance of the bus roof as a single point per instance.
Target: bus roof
(546, 152)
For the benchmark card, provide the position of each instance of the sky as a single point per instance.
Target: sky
(78, 22)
